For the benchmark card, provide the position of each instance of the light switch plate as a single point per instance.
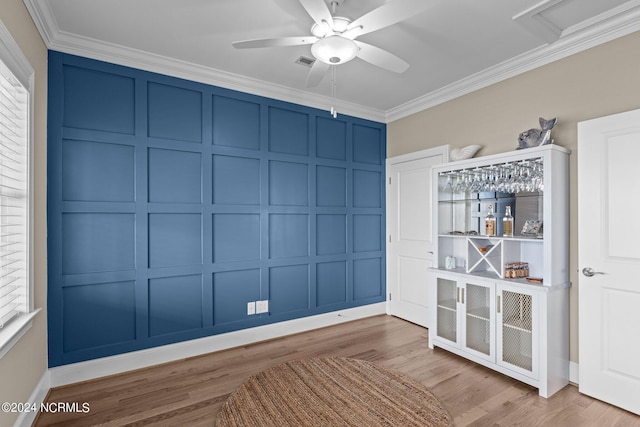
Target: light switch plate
(251, 308)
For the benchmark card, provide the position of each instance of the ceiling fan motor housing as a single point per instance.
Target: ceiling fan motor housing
(324, 29)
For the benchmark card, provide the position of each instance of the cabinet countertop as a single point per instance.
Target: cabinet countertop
(462, 273)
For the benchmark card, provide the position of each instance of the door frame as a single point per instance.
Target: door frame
(442, 150)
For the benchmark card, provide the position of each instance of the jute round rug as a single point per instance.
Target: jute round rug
(332, 391)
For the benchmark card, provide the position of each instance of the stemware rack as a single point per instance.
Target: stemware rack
(526, 175)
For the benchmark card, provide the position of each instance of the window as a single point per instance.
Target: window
(16, 300)
(14, 102)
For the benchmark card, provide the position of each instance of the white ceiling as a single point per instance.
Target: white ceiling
(454, 47)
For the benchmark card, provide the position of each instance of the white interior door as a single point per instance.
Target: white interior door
(609, 258)
(409, 237)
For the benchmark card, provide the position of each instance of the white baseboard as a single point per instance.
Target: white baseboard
(97, 368)
(26, 418)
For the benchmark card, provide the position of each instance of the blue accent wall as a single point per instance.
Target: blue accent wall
(172, 204)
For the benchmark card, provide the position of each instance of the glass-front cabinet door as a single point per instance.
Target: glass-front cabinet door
(479, 319)
(465, 315)
(448, 296)
(518, 330)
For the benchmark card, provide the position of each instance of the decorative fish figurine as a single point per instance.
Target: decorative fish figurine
(537, 137)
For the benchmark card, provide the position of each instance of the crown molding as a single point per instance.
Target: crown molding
(14, 59)
(43, 18)
(576, 40)
(65, 42)
(619, 22)
(139, 59)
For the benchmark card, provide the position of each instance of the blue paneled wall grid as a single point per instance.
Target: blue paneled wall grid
(172, 204)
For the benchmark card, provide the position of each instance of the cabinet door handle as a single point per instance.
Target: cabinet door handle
(498, 303)
(462, 295)
(457, 294)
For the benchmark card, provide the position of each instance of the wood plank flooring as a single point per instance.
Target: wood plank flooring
(190, 392)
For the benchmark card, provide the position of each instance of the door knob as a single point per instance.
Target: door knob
(588, 271)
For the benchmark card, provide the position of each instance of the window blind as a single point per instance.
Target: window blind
(14, 129)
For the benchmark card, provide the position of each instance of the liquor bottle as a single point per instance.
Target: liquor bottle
(490, 223)
(507, 223)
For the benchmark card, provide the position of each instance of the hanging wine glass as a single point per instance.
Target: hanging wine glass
(493, 178)
(486, 182)
(538, 175)
(476, 181)
(448, 185)
(529, 180)
(502, 178)
(521, 179)
(464, 182)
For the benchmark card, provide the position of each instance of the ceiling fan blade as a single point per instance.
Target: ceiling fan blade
(317, 73)
(277, 42)
(318, 11)
(352, 33)
(388, 14)
(381, 58)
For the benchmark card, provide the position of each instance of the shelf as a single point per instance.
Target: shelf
(517, 238)
(448, 302)
(461, 200)
(457, 197)
(522, 325)
(482, 313)
(444, 307)
(461, 272)
(462, 213)
(458, 235)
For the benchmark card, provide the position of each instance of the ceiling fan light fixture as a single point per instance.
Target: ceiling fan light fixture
(334, 50)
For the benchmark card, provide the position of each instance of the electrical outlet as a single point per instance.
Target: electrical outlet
(251, 308)
(262, 306)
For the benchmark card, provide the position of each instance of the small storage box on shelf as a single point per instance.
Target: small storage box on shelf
(516, 326)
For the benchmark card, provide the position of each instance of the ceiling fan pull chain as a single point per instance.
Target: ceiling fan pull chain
(334, 112)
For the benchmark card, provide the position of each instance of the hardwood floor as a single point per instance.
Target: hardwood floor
(190, 392)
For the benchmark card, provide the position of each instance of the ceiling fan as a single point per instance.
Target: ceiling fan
(333, 38)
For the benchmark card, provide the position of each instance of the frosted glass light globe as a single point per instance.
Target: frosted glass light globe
(334, 50)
